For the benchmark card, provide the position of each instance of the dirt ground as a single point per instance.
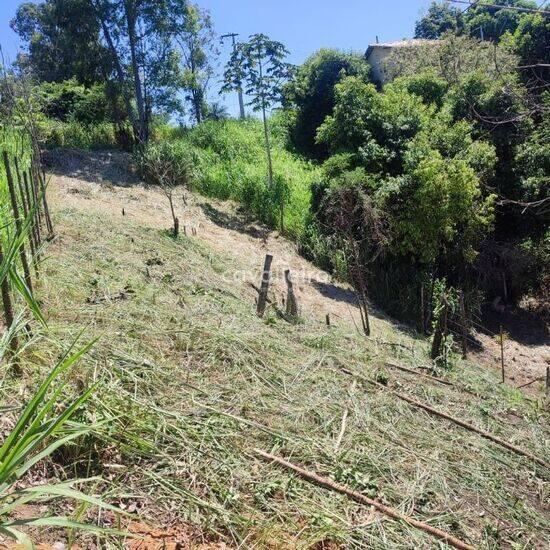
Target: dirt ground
(102, 181)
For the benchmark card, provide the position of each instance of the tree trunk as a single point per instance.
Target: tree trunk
(129, 9)
(267, 150)
(119, 71)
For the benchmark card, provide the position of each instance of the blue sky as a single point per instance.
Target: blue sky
(303, 26)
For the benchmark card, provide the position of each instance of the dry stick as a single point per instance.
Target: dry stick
(8, 313)
(264, 287)
(15, 208)
(36, 195)
(539, 379)
(344, 421)
(470, 427)
(362, 499)
(32, 200)
(42, 182)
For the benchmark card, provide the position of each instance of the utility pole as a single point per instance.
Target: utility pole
(232, 35)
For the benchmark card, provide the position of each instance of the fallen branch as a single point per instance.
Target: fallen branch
(428, 376)
(457, 421)
(539, 379)
(362, 499)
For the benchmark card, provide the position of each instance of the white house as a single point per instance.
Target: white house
(377, 55)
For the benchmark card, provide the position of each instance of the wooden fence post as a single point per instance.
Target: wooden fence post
(264, 287)
(26, 209)
(13, 199)
(291, 304)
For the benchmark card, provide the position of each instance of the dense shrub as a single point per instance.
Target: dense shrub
(70, 101)
(168, 164)
(80, 136)
(311, 95)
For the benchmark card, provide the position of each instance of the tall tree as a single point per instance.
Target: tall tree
(311, 94)
(61, 40)
(260, 65)
(138, 35)
(439, 19)
(195, 37)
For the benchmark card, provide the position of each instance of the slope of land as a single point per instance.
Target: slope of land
(190, 381)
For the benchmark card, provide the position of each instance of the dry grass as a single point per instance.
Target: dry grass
(191, 381)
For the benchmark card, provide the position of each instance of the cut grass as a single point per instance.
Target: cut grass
(190, 381)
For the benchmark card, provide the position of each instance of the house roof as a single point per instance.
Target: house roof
(398, 44)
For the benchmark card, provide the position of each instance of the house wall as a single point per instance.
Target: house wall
(375, 60)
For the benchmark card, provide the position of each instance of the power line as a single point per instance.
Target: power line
(496, 6)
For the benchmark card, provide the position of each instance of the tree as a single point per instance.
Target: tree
(482, 19)
(439, 19)
(490, 23)
(138, 35)
(194, 34)
(62, 41)
(259, 65)
(311, 94)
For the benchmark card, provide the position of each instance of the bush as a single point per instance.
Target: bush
(55, 134)
(168, 164)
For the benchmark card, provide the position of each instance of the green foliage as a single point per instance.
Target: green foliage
(440, 18)
(226, 155)
(53, 134)
(424, 231)
(258, 67)
(312, 95)
(69, 100)
(194, 35)
(62, 41)
(168, 164)
(480, 20)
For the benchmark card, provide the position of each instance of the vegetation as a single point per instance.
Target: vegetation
(422, 194)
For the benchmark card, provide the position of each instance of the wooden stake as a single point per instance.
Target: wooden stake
(327, 319)
(264, 287)
(291, 303)
(26, 208)
(15, 209)
(362, 499)
(547, 381)
(502, 354)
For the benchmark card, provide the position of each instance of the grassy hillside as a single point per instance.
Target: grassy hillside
(190, 381)
(230, 162)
